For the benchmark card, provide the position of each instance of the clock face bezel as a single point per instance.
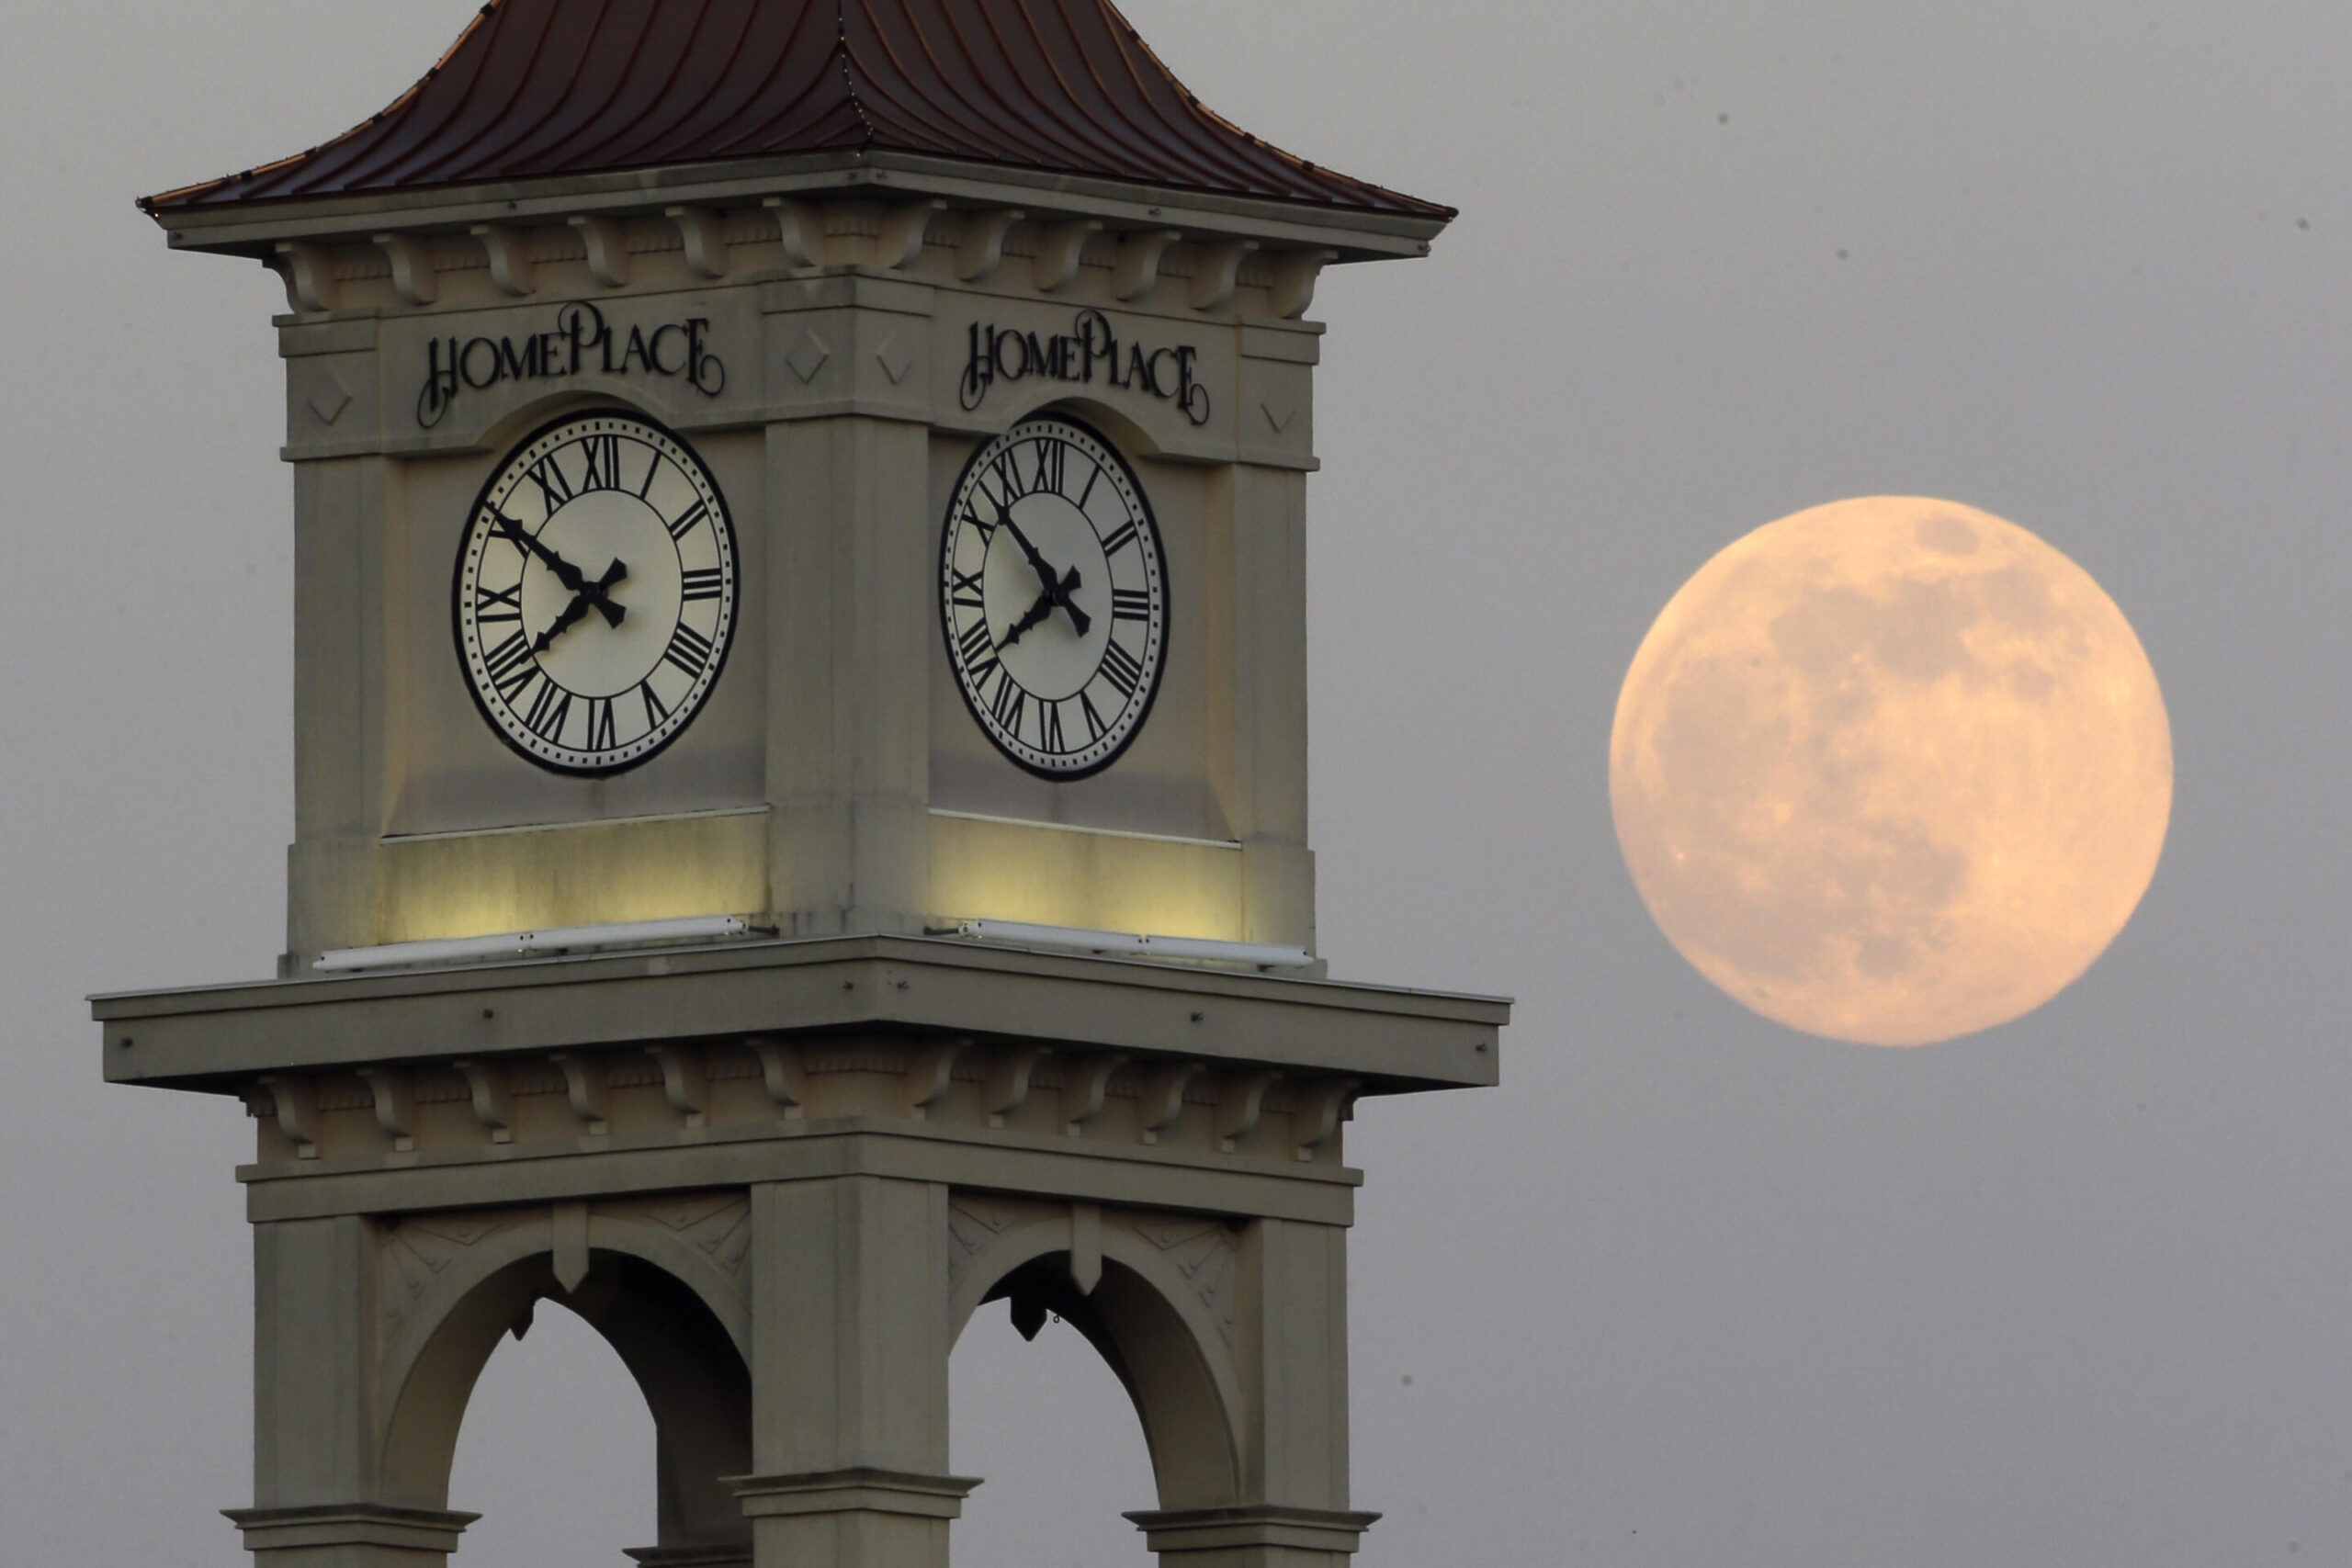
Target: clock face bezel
(510, 472)
(1134, 710)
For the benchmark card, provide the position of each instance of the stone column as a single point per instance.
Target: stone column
(1263, 514)
(1291, 1340)
(849, 1376)
(318, 1496)
(852, 559)
(340, 519)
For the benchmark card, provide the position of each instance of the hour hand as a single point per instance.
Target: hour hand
(589, 593)
(1040, 610)
(1059, 592)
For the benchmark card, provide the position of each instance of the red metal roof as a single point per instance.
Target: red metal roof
(534, 88)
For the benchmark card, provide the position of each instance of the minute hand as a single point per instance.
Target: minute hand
(1079, 619)
(570, 576)
(1038, 611)
(589, 592)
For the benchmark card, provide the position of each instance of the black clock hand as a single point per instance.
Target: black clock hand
(590, 592)
(565, 572)
(1079, 619)
(1040, 610)
(561, 623)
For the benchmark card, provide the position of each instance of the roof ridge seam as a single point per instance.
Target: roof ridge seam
(849, 77)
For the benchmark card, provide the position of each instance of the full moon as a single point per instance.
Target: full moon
(1891, 770)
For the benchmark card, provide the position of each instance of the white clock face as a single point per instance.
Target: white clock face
(1053, 593)
(596, 592)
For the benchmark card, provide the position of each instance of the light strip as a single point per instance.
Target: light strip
(511, 944)
(1076, 939)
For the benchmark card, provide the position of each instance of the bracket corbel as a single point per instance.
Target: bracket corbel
(583, 1086)
(929, 1071)
(493, 1104)
(1239, 1104)
(1138, 268)
(608, 245)
(781, 1072)
(1293, 287)
(981, 250)
(1163, 1098)
(1320, 1110)
(798, 228)
(510, 258)
(682, 1080)
(1007, 1089)
(395, 1105)
(899, 245)
(1214, 274)
(413, 271)
(703, 233)
(1084, 1083)
(1059, 246)
(309, 274)
(294, 1102)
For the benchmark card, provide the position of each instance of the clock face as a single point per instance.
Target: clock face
(596, 592)
(1053, 593)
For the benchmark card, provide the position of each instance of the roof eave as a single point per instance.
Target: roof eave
(254, 228)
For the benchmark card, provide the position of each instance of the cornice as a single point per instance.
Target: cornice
(256, 229)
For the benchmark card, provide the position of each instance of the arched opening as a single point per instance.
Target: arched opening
(556, 1452)
(1053, 1432)
(1058, 1456)
(684, 1364)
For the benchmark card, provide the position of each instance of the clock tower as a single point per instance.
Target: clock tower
(800, 752)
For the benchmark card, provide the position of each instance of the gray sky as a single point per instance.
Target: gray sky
(1690, 1291)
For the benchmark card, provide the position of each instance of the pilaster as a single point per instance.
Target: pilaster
(1292, 1341)
(1264, 562)
(849, 1338)
(849, 762)
(340, 508)
(317, 1484)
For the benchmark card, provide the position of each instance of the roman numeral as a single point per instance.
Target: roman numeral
(601, 454)
(1053, 462)
(1120, 540)
(511, 666)
(1094, 724)
(549, 709)
(689, 650)
(702, 583)
(601, 736)
(1007, 705)
(1130, 604)
(1050, 722)
(965, 590)
(686, 521)
(1008, 478)
(1089, 486)
(979, 651)
(981, 526)
(654, 712)
(1120, 668)
(554, 489)
(498, 603)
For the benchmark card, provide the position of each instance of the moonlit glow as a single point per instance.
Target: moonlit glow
(1891, 770)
